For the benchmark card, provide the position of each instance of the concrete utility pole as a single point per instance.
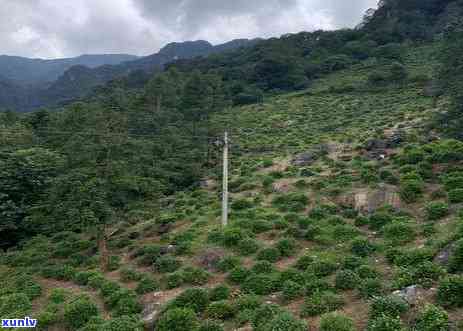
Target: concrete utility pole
(225, 181)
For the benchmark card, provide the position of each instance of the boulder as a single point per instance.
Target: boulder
(395, 140)
(375, 144)
(169, 249)
(409, 294)
(150, 315)
(443, 257)
(305, 159)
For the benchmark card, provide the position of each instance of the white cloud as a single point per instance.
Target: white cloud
(57, 28)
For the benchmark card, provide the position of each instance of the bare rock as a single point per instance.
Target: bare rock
(150, 315)
(443, 257)
(210, 258)
(280, 187)
(409, 294)
(304, 159)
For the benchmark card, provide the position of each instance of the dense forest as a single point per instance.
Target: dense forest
(135, 153)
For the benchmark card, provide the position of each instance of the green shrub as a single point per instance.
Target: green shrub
(322, 268)
(238, 275)
(232, 236)
(47, 318)
(293, 202)
(399, 232)
(194, 276)
(221, 310)
(411, 190)
(241, 204)
(259, 284)
(362, 247)
(456, 259)
(292, 274)
(178, 319)
(336, 322)
(114, 263)
(227, 263)
(346, 280)
(320, 303)
(391, 305)
(378, 220)
(263, 267)
(148, 254)
(263, 314)
(286, 247)
(248, 246)
(432, 318)
(127, 304)
(129, 275)
(195, 299)
(456, 195)
(436, 210)
(166, 264)
(284, 321)
(221, 292)
(365, 271)
(14, 305)
(369, 288)
(58, 295)
(269, 254)
(147, 284)
(352, 262)
(174, 280)
(247, 302)
(292, 290)
(385, 323)
(304, 262)
(449, 292)
(209, 325)
(79, 312)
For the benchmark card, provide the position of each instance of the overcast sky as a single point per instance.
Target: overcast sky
(65, 28)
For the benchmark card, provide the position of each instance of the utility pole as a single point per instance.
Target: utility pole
(225, 181)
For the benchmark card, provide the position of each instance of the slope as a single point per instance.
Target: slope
(340, 197)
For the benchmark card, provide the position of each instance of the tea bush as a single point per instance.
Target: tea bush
(320, 303)
(385, 323)
(221, 310)
(436, 210)
(346, 280)
(221, 292)
(432, 318)
(456, 259)
(147, 284)
(336, 322)
(195, 299)
(391, 305)
(269, 254)
(259, 284)
(449, 292)
(79, 312)
(362, 247)
(178, 319)
(292, 290)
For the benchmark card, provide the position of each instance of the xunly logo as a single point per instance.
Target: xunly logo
(12, 323)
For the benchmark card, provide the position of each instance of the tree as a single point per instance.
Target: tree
(451, 80)
(24, 177)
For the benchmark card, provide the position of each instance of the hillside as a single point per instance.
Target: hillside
(363, 212)
(25, 71)
(52, 83)
(345, 180)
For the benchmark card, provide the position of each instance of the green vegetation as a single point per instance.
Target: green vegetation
(341, 193)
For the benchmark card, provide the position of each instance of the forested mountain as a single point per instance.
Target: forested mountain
(62, 81)
(346, 187)
(26, 72)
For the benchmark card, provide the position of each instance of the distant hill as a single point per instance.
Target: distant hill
(25, 71)
(50, 85)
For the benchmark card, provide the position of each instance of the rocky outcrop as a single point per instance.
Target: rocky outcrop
(368, 201)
